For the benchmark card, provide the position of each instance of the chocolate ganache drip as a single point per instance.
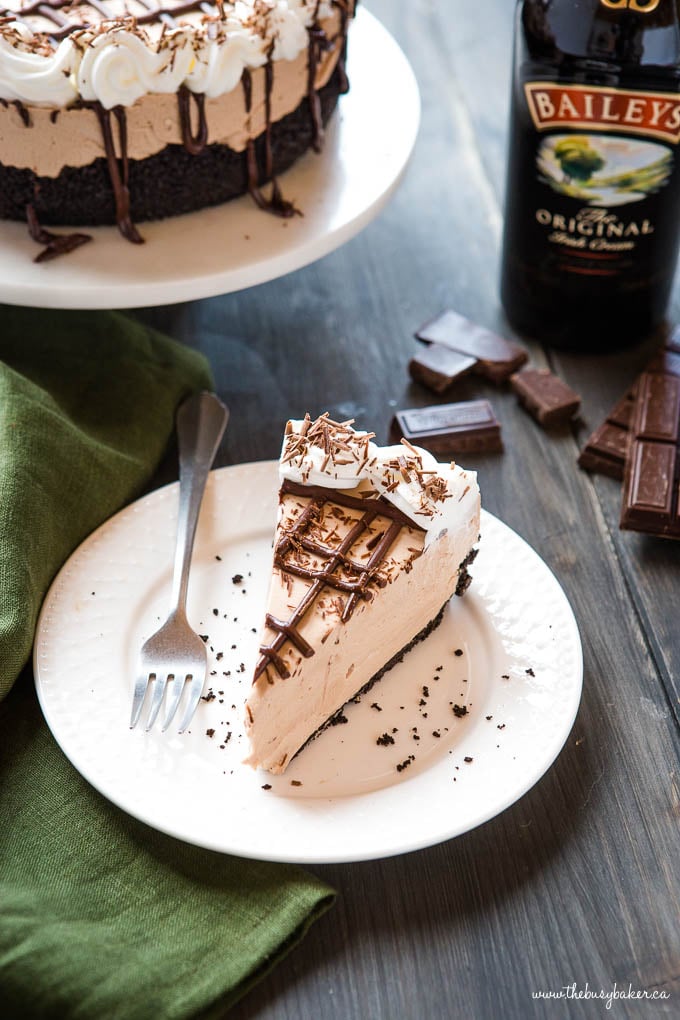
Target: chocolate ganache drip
(118, 169)
(193, 143)
(342, 6)
(55, 244)
(20, 108)
(276, 203)
(318, 42)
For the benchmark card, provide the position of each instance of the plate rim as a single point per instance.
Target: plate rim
(39, 290)
(530, 778)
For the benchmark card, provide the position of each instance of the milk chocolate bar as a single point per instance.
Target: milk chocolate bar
(496, 357)
(605, 450)
(437, 367)
(545, 396)
(651, 482)
(469, 426)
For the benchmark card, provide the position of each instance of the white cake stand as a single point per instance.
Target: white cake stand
(236, 245)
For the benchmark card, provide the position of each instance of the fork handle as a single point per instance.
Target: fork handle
(201, 421)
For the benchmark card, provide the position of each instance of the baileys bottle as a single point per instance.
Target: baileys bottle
(592, 221)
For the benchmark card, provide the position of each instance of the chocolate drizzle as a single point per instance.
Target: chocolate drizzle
(56, 244)
(57, 12)
(318, 42)
(276, 203)
(20, 108)
(118, 168)
(342, 6)
(359, 576)
(193, 143)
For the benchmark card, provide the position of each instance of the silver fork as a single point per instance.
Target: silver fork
(175, 655)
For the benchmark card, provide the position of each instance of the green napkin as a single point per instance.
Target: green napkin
(101, 916)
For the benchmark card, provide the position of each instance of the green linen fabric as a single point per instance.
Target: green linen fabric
(87, 405)
(101, 916)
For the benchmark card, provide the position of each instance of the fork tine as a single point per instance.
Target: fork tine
(175, 688)
(195, 691)
(141, 685)
(156, 700)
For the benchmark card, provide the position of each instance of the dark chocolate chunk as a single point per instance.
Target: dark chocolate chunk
(497, 358)
(605, 450)
(545, 396)
(437, 367)
(466, 427)
(652, 478)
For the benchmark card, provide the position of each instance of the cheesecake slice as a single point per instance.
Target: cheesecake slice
(370, 545)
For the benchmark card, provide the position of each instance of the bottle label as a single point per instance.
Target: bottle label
(603, 158)
(651, 114)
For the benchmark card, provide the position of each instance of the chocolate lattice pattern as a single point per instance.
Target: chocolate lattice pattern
(65, 16)
(355, 586)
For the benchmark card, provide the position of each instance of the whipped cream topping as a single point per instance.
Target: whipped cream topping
(436, 497)
(115, 60)
(33, 77)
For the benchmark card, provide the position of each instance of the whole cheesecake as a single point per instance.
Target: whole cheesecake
(118, 111)
(370, 545)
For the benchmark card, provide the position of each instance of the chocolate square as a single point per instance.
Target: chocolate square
(437, 367)
(497, 358)
(545, 396)
(469, 426)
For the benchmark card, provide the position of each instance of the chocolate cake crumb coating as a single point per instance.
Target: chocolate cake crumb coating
(169, 183)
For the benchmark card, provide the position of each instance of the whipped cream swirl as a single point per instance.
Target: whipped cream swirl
(118, 67)
(436, 497)
(33, 77)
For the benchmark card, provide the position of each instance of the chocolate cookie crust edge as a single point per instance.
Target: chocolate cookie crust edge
(169, 183)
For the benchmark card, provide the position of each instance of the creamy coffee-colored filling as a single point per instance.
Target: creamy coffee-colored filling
(282, 712)
(71, 136)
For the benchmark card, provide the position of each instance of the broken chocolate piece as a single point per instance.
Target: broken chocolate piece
(437, 367)
(605, 450)
(652, 478)
(469, 426)
(497, 358)
(545, 396)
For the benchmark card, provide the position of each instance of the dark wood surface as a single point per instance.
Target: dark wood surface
(578, 882)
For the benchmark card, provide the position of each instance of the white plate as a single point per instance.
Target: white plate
(236, 245)
(521, 665)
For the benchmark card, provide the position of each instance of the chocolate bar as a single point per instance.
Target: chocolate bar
(437, 367)
(605, 450)
(652, 477)
(545, 396)
(496, 357)
(469, 426)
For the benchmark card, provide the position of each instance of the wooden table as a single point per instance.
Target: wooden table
(578, 882)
